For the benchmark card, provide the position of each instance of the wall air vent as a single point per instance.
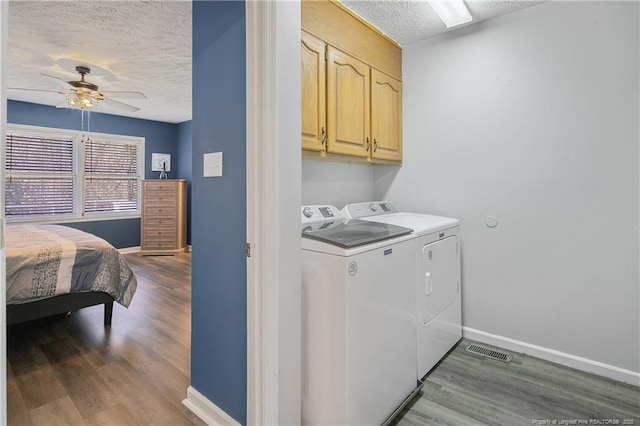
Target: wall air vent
(489, 352)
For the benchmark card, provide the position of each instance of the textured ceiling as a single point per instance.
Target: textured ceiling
(146, 45)
(130, 45)
(410, 21)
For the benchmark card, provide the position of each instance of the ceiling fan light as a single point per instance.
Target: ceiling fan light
(451, 12)
(73, 100)
(81, 100)
(87, 102)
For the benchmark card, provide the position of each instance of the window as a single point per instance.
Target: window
(111, 178)
(65, 175)
(40, 175)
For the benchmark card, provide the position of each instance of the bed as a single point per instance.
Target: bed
(53, 269)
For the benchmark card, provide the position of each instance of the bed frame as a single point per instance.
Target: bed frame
(59, 305)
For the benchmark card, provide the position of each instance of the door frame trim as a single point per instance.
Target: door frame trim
(4, 33)
(273, 202)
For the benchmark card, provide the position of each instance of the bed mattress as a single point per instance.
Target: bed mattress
(49, 260)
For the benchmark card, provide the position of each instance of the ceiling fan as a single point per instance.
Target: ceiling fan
(82, 94)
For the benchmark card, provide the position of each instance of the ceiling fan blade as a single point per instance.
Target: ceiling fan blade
(120, 105)
(59, 81)
(39, 90)
(123, 95)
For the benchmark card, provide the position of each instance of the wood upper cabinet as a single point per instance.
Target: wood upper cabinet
(386, 117)
(348, 104)
(351, 87)
(314, 122)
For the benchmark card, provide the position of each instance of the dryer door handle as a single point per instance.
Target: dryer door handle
(428, 284)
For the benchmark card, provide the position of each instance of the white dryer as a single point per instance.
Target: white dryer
(439, 306)
(358, 319)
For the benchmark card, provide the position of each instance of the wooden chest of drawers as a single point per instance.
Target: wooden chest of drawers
(163, 223)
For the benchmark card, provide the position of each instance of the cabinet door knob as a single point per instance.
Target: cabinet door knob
(375, 144)
(368, 144)
(324, 136)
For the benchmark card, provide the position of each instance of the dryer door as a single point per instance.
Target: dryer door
(439, 285)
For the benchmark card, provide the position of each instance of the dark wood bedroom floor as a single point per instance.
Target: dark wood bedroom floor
(74, 371)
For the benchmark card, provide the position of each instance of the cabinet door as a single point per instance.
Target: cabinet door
(386, 117)
(348, 104)
(313, 93)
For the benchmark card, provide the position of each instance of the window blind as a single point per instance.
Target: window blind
(55, 172)
(39, 175)
(111, 176)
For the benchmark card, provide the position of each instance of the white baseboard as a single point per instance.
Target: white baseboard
(573, 361)
(127, 250)
(209, 412)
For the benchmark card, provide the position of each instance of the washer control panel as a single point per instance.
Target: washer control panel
(319, 213)
(375, 208)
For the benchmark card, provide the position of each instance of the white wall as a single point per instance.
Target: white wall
(325, 182)
(533, 118)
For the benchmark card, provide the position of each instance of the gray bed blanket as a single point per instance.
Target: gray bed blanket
(48, 260)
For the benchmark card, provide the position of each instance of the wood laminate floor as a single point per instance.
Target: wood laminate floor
(468, 389)
(73, 370)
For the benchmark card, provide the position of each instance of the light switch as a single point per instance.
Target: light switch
(212, 164)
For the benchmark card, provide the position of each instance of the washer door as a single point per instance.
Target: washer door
(350, 233)
(439, 285)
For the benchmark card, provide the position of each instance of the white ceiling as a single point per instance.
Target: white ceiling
(407, 21)
(146, 45)
(130, 45)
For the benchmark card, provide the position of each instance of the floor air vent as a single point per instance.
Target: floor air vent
(489, 353)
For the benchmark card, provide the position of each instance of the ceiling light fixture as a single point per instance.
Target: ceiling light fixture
(451, 12)
(82, 99)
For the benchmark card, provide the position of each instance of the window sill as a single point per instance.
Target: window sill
(73, 219)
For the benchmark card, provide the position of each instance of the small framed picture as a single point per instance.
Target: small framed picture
(158, 160)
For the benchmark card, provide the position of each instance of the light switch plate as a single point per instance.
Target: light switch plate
(212, 164)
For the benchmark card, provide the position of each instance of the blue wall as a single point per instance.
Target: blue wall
(183, 165)
(219, 280)
(159, 137)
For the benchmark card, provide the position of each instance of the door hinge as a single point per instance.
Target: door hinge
(247, 250)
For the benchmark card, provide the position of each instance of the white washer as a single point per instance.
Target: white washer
(358, 319)
(439, 306)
